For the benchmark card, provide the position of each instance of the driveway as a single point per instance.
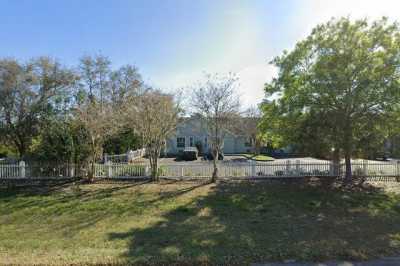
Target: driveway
(200, 160)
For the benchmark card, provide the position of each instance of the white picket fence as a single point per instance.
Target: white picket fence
(119, 170)
(12, 171)
(248, 170)
(25, 171)
(288, 169)
(130, 156)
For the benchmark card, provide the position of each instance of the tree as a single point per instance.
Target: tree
(336, 87)
(125, 82)
(154, 116)
(95, 73)
(216, 101)
(126, 139)
(55, 140)
(125, 85)
(28, 93)
(99, 122)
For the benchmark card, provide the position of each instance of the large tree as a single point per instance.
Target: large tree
(336, 87)
(29, 92)
(98, 122)
(217, 103)
(154, 116)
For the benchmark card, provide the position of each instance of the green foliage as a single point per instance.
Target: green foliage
(41, 102)
(62, 142)
(123, 141)
(336, 88)
(29, 92)
(257, 157)
(7, 151)
(55, 143)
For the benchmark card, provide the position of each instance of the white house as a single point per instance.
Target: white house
(191, 132)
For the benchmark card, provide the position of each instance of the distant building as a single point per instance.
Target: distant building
(191, 132)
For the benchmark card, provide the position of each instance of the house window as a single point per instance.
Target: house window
(191, 142)
(180, 142)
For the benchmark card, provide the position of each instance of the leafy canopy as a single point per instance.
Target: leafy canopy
(336, 87)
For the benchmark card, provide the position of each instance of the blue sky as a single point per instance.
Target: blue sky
(174, 42)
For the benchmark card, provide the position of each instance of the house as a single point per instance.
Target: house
(191, 132)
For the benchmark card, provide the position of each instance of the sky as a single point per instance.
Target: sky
(174, 42)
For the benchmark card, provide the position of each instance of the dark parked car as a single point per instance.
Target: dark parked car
(190, 154)
(210, 156)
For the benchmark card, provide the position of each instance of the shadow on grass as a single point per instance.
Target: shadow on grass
(243, 222)
(81, 205)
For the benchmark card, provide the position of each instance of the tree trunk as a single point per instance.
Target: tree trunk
(348, 137)
(347, 158)
(91, 171)
(153, 156)
(92, 161)
(155, 168)
(215, 161)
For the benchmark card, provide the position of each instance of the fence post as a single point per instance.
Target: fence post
(365, 167)
(109, 169)
(22, 169)
(71, 170)
(398, 171)
(297, 167)
(253, 168)
(146, 170)
(287, 167)
(182, 171)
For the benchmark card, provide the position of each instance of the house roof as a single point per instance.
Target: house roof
(236, 130)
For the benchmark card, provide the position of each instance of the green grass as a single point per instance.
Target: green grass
(192, 223)
(258, 157)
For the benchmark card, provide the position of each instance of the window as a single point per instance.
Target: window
(180, 142)
(191, 142)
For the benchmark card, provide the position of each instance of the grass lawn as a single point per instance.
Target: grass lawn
(192, 223)
(259, 157)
